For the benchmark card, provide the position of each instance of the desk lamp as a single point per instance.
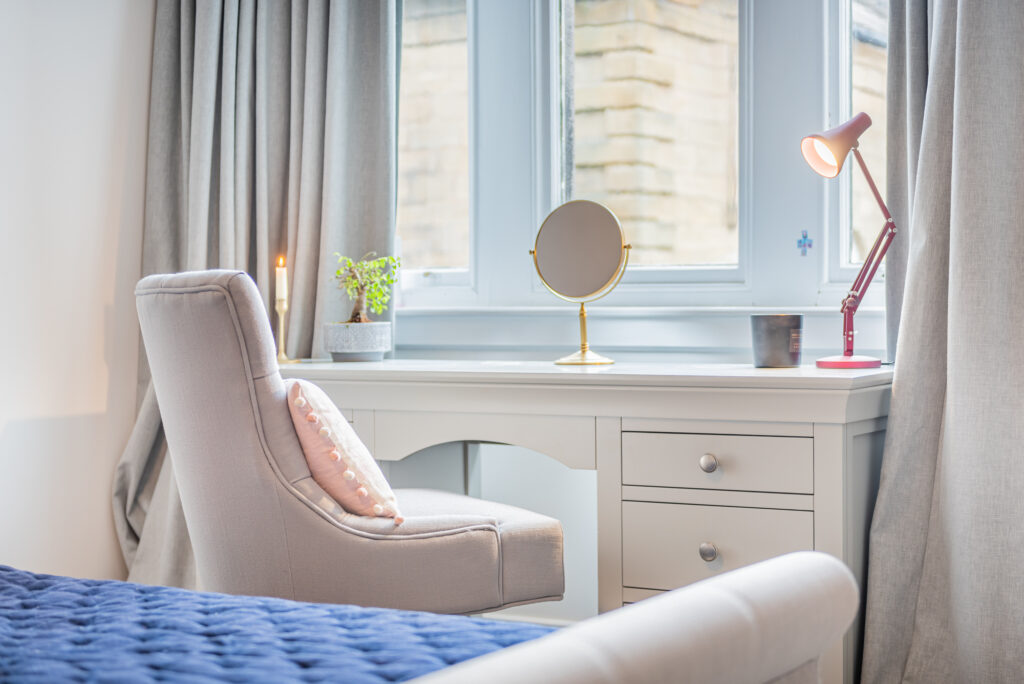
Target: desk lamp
(825, 153)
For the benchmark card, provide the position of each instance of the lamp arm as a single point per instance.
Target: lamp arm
(878, 249)
(871, 263)
(871, 184)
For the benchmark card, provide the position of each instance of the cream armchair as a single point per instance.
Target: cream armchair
(259, 523)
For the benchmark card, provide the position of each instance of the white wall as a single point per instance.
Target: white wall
(74, 100)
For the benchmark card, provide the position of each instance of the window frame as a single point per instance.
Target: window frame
(516, 143)
(840, 270)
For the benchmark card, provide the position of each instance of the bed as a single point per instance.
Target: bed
(779, 621)
(56, 629)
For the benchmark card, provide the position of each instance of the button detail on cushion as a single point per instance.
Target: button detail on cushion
(337, 458)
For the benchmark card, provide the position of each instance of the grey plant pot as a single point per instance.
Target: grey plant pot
(357, 341)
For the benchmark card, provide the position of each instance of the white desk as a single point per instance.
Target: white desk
(796, 454)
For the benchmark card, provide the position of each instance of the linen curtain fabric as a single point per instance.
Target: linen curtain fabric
(944, 601)
(272, 131)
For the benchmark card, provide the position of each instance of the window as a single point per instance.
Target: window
(868, 46)
(684, 117)
(433, 137)
(656, 124)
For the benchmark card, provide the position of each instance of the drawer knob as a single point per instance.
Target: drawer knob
(708, 463)
(708, 552)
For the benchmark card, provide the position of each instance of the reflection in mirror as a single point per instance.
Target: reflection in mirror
(580, 255)
(579, 250)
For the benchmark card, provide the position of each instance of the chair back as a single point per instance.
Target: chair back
(229, 433)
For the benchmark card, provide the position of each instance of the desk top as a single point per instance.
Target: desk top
(622, 374)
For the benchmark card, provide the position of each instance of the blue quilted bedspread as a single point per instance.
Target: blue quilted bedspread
(55, 629)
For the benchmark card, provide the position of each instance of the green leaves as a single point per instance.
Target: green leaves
(368, 281)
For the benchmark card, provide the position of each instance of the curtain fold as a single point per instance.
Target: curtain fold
(945, 578)
(904, 101)
(272, 131)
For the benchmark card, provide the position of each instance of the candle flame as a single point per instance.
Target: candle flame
(280, 261)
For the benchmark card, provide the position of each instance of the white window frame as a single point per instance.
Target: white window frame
(787, 89)
(840, 272)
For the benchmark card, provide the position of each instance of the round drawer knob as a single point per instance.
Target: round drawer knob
(708, 463)
(708, 552)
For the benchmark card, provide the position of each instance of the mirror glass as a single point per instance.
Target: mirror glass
(580, 250)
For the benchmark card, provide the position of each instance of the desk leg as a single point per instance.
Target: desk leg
(829, 441)
(847, 459)
(609, 513)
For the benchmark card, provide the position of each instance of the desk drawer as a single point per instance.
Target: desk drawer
(740, 462)
(661, 543)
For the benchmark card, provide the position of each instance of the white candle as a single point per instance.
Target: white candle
(282, 279)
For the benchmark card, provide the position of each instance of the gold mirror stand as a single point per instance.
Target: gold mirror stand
(585, 357)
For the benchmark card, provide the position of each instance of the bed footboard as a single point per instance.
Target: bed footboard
(768, 622)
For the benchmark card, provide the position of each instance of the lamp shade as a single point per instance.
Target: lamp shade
(826, 152)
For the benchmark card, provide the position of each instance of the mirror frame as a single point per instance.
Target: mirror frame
(620, 270)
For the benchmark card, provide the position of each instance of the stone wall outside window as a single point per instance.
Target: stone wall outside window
(655, 121)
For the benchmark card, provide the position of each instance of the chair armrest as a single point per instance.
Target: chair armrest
(754, 624)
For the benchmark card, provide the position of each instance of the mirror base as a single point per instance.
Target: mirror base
(584, 357)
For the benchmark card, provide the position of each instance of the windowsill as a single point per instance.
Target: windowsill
(685, 333)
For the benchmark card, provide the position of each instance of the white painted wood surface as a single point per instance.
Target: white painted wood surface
(802, 450)
(719, 497)
(568, 439)
(718, 427)
(719, 375)
(632, 594)
(609, 514)
(740, 462)
(660, 548)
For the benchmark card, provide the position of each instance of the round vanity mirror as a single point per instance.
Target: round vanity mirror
(581, 255)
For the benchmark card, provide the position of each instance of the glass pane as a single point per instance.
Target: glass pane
(868, 64)
(433, 136)
(656, 124)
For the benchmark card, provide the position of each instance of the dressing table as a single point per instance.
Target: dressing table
(700, 468)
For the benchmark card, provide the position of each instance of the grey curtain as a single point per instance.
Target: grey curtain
(946, 569)
(272, 131)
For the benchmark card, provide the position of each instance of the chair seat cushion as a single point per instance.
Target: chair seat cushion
(530, 543)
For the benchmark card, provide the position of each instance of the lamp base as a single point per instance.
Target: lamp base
(584, 357)
(849, 362)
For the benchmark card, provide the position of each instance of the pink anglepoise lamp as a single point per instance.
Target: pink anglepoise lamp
(825, 153)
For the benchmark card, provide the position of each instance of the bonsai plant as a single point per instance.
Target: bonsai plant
(367, 282)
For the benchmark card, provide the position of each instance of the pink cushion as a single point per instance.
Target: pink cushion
(337, 458)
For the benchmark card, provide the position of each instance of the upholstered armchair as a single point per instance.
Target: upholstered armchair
(260, 525)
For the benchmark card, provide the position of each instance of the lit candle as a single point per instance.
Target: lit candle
(282, 279)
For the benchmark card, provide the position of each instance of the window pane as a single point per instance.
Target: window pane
(868, 64)
(433, 136)
(656, 123)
